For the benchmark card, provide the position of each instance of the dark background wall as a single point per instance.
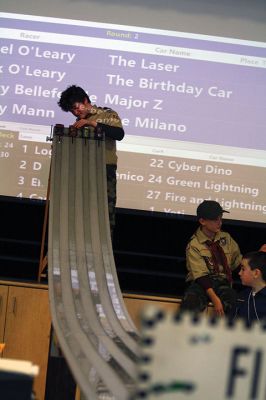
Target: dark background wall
(149, 248)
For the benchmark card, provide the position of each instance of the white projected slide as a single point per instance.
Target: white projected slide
(193, 109)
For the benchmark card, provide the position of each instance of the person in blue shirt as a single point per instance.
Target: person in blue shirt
(251, 303)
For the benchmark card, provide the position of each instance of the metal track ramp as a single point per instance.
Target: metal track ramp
(94, 329)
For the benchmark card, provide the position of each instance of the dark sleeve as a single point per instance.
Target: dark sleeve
(242, 304)
(112, 132)
(204, 282)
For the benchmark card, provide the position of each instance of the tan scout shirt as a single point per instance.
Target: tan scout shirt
(108, 117)
(198, 257)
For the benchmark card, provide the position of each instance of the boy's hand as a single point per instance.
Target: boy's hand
(217, 304)
(83, 122)
(218, 307)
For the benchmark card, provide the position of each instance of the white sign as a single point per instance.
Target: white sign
(187, 359)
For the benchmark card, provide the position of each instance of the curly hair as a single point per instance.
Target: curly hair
(73, 94)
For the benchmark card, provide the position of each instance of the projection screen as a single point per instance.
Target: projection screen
(192, 106)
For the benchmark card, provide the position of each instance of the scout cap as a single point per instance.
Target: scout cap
(210, 209)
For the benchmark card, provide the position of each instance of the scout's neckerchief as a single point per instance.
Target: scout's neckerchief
(219, 258)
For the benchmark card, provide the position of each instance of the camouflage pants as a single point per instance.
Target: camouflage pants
(111, 192)
(196, 299)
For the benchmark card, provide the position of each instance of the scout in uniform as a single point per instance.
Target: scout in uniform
(103, 120)
(211, 256)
